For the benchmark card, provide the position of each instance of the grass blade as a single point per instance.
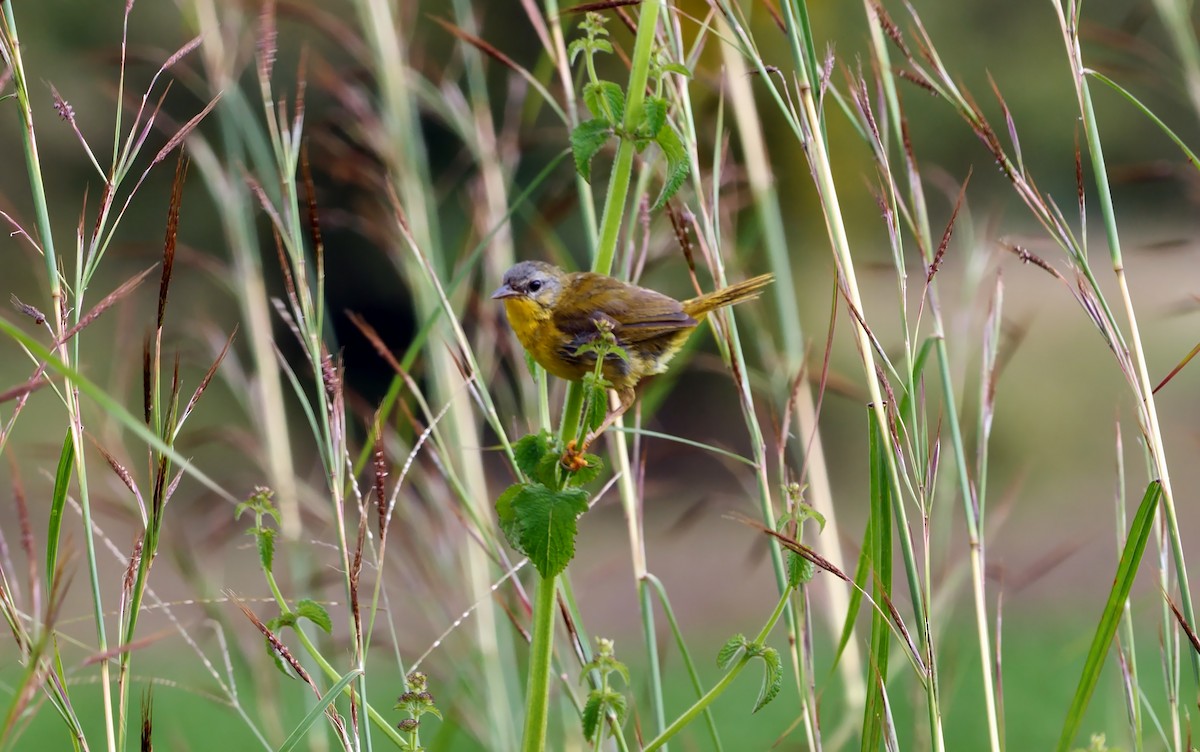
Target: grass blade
(62, 484)
(300, 732)
(1131, 557)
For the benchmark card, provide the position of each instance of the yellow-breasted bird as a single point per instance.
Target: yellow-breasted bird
(554, 313)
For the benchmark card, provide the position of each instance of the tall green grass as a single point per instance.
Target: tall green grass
(387, 577)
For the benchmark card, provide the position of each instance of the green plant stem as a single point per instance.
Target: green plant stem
(12, 47)
(799, 30)
(685, 654)
(635, 95)
(1144, 385)
(719, 688)
(537, 690)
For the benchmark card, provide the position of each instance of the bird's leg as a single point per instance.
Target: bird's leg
(627, 396)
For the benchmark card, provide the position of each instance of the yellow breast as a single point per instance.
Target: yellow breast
(541, 339)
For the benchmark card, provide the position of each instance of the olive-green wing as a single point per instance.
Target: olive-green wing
(636, 314)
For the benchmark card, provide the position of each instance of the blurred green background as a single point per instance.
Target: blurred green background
(1052, 544)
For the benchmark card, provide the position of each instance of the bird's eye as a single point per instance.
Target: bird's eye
(535, 285)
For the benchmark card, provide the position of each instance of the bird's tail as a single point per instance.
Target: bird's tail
(736, 293)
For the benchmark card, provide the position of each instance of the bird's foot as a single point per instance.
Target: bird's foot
(573, 458)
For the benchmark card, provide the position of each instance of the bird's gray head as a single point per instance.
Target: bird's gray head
(535, 280)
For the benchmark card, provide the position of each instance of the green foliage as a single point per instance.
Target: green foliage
(261, 504)
(1106, 629)
(416, 702)
(603, 699)
(739, 647)
(538, 516)
(540, 522)
(800, 569)
(62, 485)
(531, 452)
(588, 138)
(314, 612)
(605, 100)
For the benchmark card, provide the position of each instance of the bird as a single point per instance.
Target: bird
(554, 313)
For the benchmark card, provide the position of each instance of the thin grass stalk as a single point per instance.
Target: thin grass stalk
(732, 350)
(1176, 18)
(306, 295)
(243, 142)
(408, 172)
(1144, 385)
(12, 53)
(633, 505)
(787, 312)
(537, 690)
(686, 655)
(973, 505)
(492, 177)
(804, 50)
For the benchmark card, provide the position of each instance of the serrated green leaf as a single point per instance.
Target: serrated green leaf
(772, 678)
(279, 664)
(529, 451)
(730, 650)
(576, 47)
(800, 569)
(809, 512)
(591, 714)
(618, 705)
(679, 68)
(678, 165)
(508, 517)
(316, 613)
(597, 408)
(654, 116)
(605, 100)
(547, 521)
(547, 470)
(265, 538)
(586, 140)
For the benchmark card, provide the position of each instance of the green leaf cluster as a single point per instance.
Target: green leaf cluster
(800, 569)
(416, 701)
(305, 609)
(604, 699)
(262, 505)
(539, 515)
(605, 100)
(738, 647)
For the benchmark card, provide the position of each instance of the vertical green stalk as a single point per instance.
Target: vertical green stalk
(538, 687)
(537, 690)
(11, 47)
(409, 173)
(803, 54)
(787, 312)
(1144, 386)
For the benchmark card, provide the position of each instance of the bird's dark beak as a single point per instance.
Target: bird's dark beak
(504, 292)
